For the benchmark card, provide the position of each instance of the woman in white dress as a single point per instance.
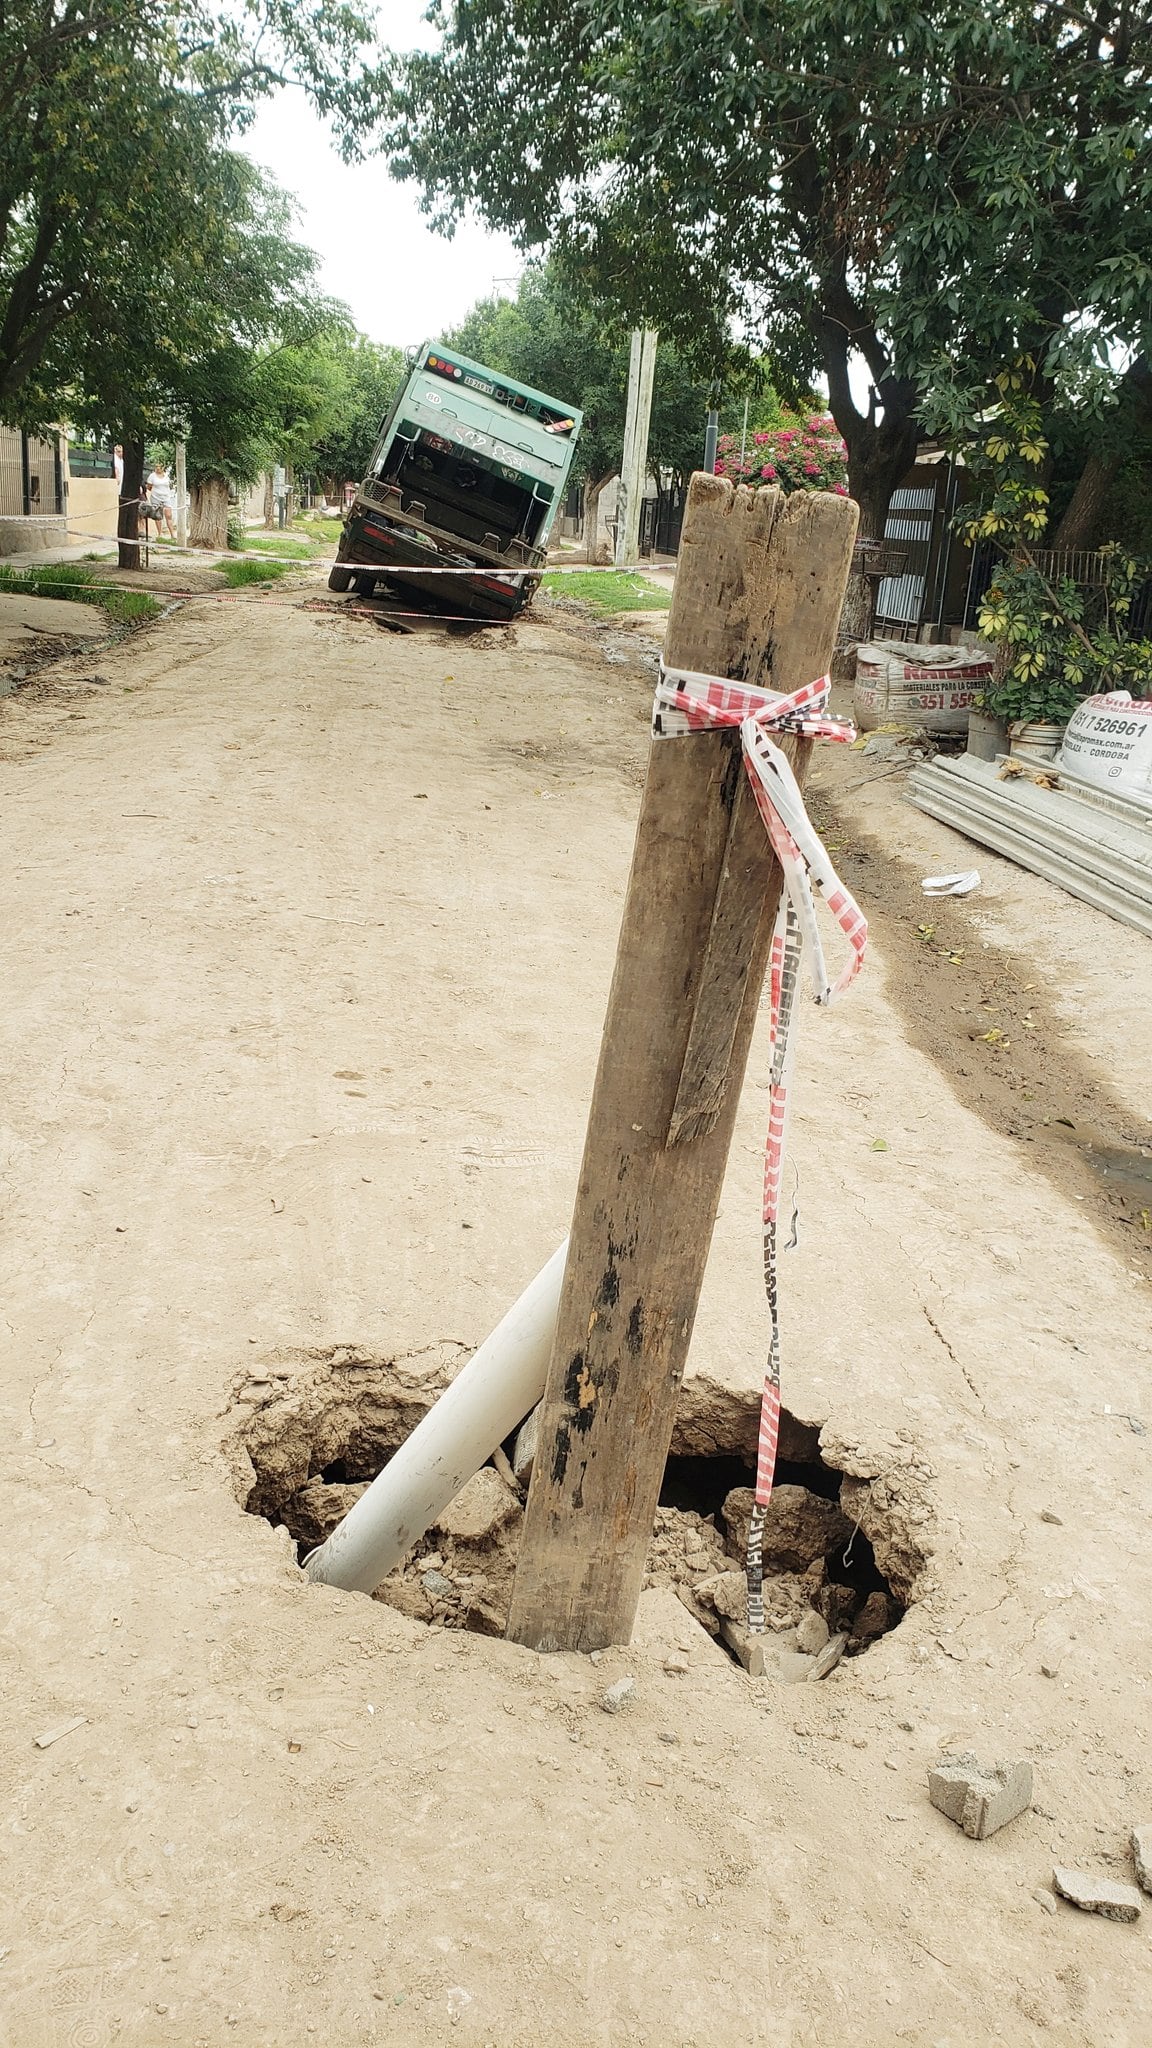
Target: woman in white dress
(163, 497)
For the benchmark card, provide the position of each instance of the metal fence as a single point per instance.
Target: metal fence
(1076, 565)
(661, 520)
(900, 599)
(88, 458)
(31, 474)
(11, 472)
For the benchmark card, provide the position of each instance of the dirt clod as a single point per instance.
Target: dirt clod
(316, 1509)
(799, 1526)
(812, 1632)
(617, 1696)
(481, 1509)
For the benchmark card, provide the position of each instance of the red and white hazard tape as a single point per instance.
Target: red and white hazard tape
(686, 703)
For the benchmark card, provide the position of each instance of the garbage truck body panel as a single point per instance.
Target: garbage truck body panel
(469, 473)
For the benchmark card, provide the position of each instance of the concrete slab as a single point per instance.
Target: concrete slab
(25, 620)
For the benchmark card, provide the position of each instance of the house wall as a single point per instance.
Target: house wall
(93, 506)
(31, 536)
(251, 506)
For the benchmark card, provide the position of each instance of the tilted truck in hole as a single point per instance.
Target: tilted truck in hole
(469, 473)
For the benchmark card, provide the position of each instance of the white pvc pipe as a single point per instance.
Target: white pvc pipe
(485, 1402)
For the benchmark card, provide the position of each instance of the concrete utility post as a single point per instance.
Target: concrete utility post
(758, 592)
(634, 465)
(181, 497)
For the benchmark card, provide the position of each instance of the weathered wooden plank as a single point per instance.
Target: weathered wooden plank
(758, 593)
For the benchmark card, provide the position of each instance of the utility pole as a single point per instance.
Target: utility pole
(712, 434)
(758, 593)
(634, 465)
(181, 496)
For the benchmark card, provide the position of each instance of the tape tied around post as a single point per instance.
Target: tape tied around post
(687, 702)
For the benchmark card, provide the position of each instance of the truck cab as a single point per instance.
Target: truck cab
(467, 476)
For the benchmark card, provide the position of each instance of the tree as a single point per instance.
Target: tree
(249, 408)
(111, 111)
(917, 193)
(551, 335)
(371, 374)
(175, 348)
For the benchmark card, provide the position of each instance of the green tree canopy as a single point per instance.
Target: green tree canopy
(925, 191)
(221, 351)
(370, 376)
(552, 335)
(113, 172)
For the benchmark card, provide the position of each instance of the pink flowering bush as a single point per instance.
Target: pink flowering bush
(809, 456)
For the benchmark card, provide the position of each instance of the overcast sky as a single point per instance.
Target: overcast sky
(403, 283)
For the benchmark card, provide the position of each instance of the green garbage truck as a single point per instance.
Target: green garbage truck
(468, 475)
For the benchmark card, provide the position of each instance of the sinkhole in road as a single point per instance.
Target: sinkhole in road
(310, 1430)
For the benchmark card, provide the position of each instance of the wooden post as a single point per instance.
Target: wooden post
(758, 592)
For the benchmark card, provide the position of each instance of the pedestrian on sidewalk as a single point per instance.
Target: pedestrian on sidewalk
(163, 496)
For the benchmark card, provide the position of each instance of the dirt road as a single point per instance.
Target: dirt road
(307, 939)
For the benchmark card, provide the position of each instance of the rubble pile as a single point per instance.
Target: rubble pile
(460, 1573)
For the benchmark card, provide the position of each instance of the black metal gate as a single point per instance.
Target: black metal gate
(661, 521)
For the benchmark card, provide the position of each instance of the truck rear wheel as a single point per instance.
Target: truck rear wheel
(339, 578)
(365, 586)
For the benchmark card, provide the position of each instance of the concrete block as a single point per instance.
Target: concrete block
(789, 1667)
(980, 1798)
(828, 1658)
(1098, 1894)
(749, 1649)
(812, 1633)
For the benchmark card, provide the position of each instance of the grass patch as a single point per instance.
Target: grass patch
(323, 532)
(237, 573)
(75, 584)
(129, 607)
(296, 546)
(606, 591)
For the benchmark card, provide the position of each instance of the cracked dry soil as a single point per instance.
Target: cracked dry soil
(306, 952)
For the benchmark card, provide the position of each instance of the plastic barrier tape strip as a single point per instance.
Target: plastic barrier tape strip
(686, 703)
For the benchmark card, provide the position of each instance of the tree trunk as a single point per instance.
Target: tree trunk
(209, 525)
(1080, 526)
(592, 490)
(128, 512)
(881, 446)
(269, 500)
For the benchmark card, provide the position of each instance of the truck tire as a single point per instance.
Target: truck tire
(365, 586)
(339, 578)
